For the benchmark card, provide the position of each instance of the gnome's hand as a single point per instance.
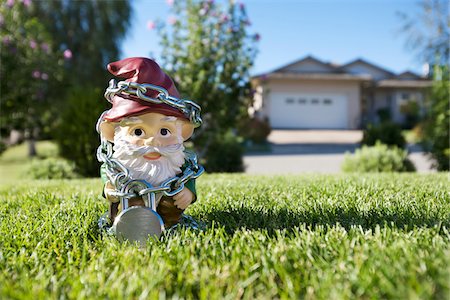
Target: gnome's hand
(183, 198)
(107, 190)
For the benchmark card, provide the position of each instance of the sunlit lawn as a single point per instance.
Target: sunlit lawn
(15, 161)
(316, 237)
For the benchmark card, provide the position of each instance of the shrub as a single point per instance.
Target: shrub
(76, 136)
(384, 114)
(51, 168)
(225, 154)
(379, 158)
(387, 133)
(411, 111)
(255, 130)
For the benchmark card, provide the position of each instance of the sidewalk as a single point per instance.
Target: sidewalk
(314, 151)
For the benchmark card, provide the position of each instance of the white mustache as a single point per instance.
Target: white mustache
(131, 149)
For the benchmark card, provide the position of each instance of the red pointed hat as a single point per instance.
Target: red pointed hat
(140, 70)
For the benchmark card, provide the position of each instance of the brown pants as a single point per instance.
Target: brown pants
(170, 214)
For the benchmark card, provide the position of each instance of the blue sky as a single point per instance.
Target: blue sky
(336, 31)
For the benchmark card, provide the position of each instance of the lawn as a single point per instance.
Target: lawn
(314, 237)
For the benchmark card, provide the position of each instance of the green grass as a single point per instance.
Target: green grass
(312, 237)
(14, 162)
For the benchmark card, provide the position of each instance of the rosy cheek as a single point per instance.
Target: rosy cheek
(168, 141)
(134, 140)
(138, 142)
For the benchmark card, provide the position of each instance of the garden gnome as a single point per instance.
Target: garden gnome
(148, 137)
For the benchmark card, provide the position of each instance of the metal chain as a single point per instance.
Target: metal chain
(119, 175)
(189, 108)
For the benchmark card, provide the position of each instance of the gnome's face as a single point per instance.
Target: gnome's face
(150, 146)
(152, 129)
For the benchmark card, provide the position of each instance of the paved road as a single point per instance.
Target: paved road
(297, 151)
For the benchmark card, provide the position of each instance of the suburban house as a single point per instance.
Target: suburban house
(313, 94)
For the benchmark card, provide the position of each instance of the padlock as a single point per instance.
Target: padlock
(138, 223)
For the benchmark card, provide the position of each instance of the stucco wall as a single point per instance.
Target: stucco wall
(349, 88)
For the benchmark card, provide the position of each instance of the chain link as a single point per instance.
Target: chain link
(188, 107)
(119, 175)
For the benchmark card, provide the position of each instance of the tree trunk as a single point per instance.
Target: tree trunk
(32, 147)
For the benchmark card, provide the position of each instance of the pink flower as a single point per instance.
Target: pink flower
(170, 2)
(257, 37)
(33, 44)
(27, 3)
(151, 25)
(224, 18)
(241, 6)
(67, 54)
(44, 76)
(36, 74)
(45, 47)
(6, 40)
(171, 20)
(10, 3)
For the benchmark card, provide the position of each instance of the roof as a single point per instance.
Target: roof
(396, 83)
(360, 61)
(312, 68)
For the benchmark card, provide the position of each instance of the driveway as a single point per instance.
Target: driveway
(314, 151)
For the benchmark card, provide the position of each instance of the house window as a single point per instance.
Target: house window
(302, 101)
(327, 101)
(289, 101)
(314, 101)
(405, 96)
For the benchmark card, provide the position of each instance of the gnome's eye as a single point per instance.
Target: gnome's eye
(165, 132)
(138, 132)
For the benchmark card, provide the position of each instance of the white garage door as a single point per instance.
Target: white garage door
(311, 111)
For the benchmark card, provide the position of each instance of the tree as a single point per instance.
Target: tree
(29, 70)
(428, 32)
(208, 52)
(429, 35)
(49, 48)
(436, 132)
(90, 33)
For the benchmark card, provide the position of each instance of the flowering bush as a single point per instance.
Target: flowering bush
(28, 68)
(208, 51)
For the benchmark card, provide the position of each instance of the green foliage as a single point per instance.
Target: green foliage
(29, 69)
(378, 236)
(50, 47)
(91, 30)
(428, 31)
(411, 111)
(384, 114)
(255, 130)
(225, 154)
(51, 168)
(209, 52)
(76, 135)
(387, 133)
(379, 158)
(436, 130)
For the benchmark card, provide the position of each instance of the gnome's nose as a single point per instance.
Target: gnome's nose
(151, 141)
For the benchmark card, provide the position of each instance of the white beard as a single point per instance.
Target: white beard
(153, 171)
